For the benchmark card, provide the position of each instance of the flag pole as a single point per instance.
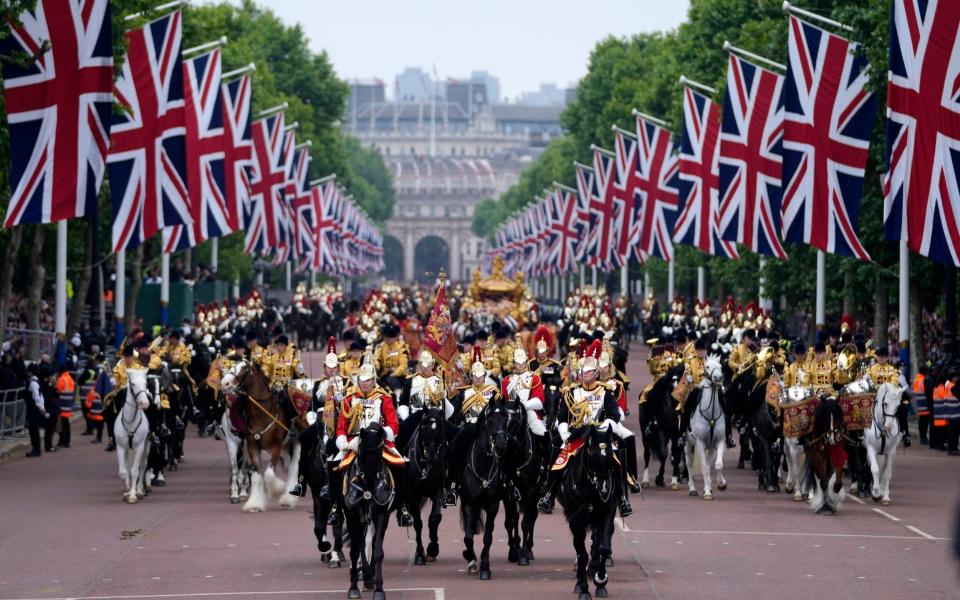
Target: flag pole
(119, 297)
(251, 67)
(289, 276)
(583, 276)
(214, 251)
(60, 312)
(671, 279)
(624, 280)
(904, 306)
(593, 277)
(701, 283)
(765, 302)
(790, 8)
(821, 309)
(164, 288)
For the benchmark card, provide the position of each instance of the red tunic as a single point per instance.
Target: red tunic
(388, 414)
(536, 387)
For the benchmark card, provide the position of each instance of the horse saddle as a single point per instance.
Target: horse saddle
(355, 491)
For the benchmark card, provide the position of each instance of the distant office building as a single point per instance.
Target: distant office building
(492, 84)
(471, 95)
(414, 85)
(365, 92)
(548, 95)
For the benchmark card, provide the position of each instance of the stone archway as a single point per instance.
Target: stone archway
(431, 254)
(392, 258)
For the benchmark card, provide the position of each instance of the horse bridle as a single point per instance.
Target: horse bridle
(879, 425)
(138, 412)
(417, 452)
(273, 418)
(491, 452)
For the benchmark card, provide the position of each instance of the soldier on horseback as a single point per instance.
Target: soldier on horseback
(881, 372)
(365, 404)
(694, 370)
(281, 363)
(391, 358)
(587, 403)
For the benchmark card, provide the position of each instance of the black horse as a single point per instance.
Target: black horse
(590, 489)
(482, 483)
(660, 428)
(316, 476)
(525, 465)
(426, 452)
(369, 492)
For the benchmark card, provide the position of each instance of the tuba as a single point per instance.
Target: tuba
(847, 358)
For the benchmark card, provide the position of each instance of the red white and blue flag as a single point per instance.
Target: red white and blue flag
(586, 190)
(751, 158)
(922, 185)
(625, 189)
(698, 223)
(147, 159)
(323, 197)
(58, 109)
(208, 142)
(828, 117)
(568, 228)
(268, 180)
(301, 200)
(658, 172)
(601, 245)
(239, 155)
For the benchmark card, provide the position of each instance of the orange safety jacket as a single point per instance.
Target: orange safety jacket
(94, 405)
(919, 395)
(66, 388)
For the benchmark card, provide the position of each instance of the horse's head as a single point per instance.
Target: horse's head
(828, 424)
(713, 369)
(599, 455)
(493, 427)
(137, 388)
(371, 444)
(887, 401)
(431, 434)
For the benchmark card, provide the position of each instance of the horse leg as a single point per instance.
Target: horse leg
(601, 550)
(136, 474)
(704, 458)
(887, 474)
(529, 523)
(719, 447)
(419, 556)
(688, 452)
(770, 468)
(379, 526)
(645, 478)
(676, 456)
(356, 542)
(321, 510)
(124, 471)
(257, 501)
(469, 517)
(489, 524)
(579, 531)
(288, 500)
(436, 515)
(511, 522)
(874, 470)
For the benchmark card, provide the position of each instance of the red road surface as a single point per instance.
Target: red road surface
(64, 532)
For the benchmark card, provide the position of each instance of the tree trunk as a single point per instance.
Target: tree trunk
(35, 288)
(6, 276)
(881, 313)
(917, 353)
(82, 288)
(135, 278)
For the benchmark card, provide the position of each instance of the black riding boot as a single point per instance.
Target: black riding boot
(631, 451)
(545, 504)
(625, 509)
(902, 422)
(308, 445)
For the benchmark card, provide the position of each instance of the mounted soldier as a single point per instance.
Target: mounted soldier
(422, 390)
(391, 358)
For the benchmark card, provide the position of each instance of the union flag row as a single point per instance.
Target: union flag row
(784, 162)
(174, 133)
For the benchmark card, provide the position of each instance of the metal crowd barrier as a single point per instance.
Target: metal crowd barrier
(13, 413)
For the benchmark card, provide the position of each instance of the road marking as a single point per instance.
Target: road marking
(880, 511)
(924, 533)
(438, 594)
(857, 500)
(800, 534)
(623, 526)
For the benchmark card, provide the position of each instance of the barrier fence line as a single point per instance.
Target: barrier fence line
(13, 413)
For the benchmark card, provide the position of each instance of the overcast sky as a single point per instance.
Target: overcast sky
(523, 42)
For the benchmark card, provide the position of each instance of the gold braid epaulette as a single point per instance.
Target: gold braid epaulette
(469, 403)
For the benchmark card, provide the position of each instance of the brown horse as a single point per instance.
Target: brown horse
(826, 455)
(266, 430)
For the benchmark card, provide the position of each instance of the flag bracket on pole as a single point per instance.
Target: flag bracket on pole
(238, 72)
(630, 134)
(203, 47)
(684, 80)
(596, 148)
(323, 179)
(747, 54)
(796, 10)
(162, 7)
(650, 118)
(275, 109)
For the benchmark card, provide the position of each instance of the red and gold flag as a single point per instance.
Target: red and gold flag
(438, 337)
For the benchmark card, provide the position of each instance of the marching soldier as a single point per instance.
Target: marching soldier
(504, 348)
(391, 358)
(881, 372)
(365, 404)
(587, 403)
(468, 404)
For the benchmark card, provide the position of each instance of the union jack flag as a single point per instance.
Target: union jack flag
(751, 158)
(922, 185)
(268, 180)
(300, 199)
(569, 228)
(625, 189)
(147, 159)
(603, 235)
(58, 109)
(586, 189)
(658, 172)
(699, 221)
(207, 144)
(828, 117)
(323, 197)
(239, 155)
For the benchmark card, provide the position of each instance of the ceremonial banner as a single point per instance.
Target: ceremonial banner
(798, 417)
(857, 411)
(438, 336)
(58, 109)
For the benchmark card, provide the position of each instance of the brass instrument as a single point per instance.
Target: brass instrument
(760, 359)
(847, 358)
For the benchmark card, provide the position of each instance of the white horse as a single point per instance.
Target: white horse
(239, 466)
(131, 430)
(882, 439)
(793, 449)
(708, 432)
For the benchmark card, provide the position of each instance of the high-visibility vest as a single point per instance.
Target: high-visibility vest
(920, 396)
(66, 388)
(947, 405)
(94, 405)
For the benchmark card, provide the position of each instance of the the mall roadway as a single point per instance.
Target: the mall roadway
(65, 533)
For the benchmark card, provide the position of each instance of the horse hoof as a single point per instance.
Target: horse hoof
(523, 562)
(485, 575)
(131, 499)
(875, 498)
(885, 502)
(253, 509)
(334, 564)
(692, 493)
(513, 555)
(645, 485)
(772, 489)
(584, 596)
(379, 595)
(367, 584)
(433, 551)
(431, 558)
(419, 560)
(721, 486)
(324, 547)
(674, 486)
(708, 496)
(609, 562)
(353, 593)
(472, 569)
(798, 498)
(789, 488)
(530, 555)
(602, 592)
(579, 588)
(234, 500)
(740, 464)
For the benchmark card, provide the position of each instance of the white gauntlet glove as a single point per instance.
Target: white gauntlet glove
(564, 431)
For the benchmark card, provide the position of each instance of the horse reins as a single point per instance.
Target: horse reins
(879, 425)
(273, 418)
(137, 412)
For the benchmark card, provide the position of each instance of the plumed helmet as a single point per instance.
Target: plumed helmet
(591, 361)
(366, 371)
(331, 360)
(478, 369)
(426, 359)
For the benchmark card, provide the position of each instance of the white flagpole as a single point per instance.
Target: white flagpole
(313, 278)
(904, 304)
(821, 308)
(214, 253)
(583, 276)
(646, 281)
(671, 278)
(60, 312)
(624, 280)
(765, 302)
(119, 297)
(701, 283)
(164, 288)
(289, 276)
